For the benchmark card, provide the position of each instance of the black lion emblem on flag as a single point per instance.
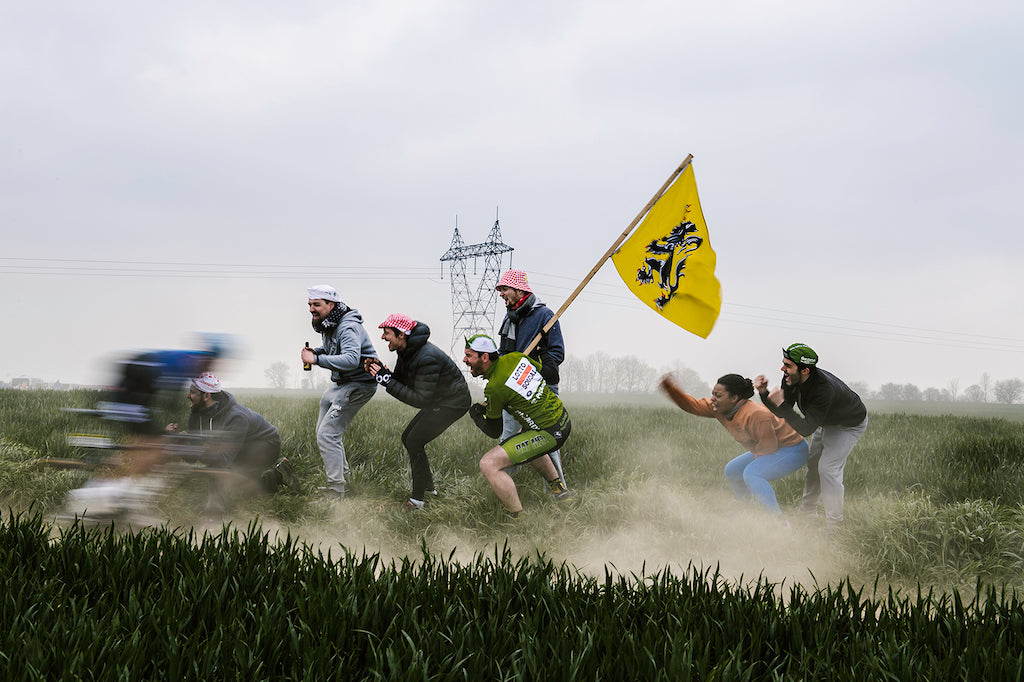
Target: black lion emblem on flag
(667, 260)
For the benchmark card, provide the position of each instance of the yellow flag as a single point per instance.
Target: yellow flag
(669, 263)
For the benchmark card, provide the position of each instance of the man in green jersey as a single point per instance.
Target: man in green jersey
(514, 384)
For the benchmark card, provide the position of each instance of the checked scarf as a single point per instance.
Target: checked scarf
(510, 324)
(332, 320)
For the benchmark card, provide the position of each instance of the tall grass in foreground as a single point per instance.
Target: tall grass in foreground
(932, 499)
(236, 605)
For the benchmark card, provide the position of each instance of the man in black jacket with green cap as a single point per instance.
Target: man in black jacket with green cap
(830, 412)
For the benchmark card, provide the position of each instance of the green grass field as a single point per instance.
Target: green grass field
(652, 571)
(931, 499)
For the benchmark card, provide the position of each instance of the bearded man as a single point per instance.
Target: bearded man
(525, 317)
(345, 346)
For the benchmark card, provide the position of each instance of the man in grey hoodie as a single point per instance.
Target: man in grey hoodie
(345, 345)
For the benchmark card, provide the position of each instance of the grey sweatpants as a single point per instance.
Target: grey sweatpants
(338, 406)
(826, 460)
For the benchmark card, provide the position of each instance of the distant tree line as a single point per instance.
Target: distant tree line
(602, 373)
(1006, 391)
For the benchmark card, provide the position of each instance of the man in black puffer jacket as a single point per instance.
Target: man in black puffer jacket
(424, 377)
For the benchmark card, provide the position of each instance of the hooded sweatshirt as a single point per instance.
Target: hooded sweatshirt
(235, 423)
(344, 348)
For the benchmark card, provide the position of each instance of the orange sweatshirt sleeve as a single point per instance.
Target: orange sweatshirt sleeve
(701, 407)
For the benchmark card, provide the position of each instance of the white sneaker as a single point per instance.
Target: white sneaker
(413, 505)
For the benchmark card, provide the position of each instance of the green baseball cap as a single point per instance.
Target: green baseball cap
(801, 354)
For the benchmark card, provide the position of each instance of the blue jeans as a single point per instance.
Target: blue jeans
(749, 475)
(338, 405)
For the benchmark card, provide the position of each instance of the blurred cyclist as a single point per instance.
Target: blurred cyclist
(146, 381)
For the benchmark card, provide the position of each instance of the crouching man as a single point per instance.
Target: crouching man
(241, 442)
(514, 384)
(425, 378)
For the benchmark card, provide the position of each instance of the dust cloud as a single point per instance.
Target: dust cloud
(648, 527)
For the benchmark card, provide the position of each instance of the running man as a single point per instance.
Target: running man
(345, 346)
(514, 383)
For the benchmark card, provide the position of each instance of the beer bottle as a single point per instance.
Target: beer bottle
(307, 367)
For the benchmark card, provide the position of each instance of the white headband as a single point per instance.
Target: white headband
(207, 383)
(324, 291)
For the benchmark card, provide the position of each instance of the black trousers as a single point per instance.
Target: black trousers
(427, 425)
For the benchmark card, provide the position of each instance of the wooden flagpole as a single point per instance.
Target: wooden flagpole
(608, 253)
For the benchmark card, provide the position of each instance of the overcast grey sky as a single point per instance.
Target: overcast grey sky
(858, 164)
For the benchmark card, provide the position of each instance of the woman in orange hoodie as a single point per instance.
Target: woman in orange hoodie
(774, 449)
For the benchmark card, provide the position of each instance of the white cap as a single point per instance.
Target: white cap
(481, 343)
(324, 291)
(207, 383)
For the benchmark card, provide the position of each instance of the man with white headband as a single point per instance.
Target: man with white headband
(525, 317)
(240, 440)
(345, 345)
(426, 378)
(514, 383)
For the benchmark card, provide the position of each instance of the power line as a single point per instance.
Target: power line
(628, 297)
(804, 321)
(607, 294)
(205, 265)
(138, 268)
(382, 275)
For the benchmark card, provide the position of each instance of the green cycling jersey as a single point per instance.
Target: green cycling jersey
(514, 384)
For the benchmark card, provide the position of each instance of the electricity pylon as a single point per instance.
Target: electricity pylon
(473, 309)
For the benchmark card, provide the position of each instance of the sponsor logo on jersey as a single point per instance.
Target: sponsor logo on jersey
(525, 380)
